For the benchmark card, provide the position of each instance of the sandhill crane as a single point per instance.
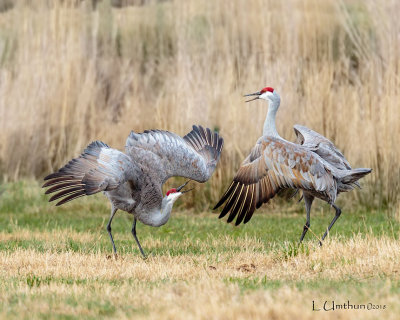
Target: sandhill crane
(314, 166)
(132, 181)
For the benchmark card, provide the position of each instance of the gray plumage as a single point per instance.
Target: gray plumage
(322, 146)
(313, 165)
(133, 180)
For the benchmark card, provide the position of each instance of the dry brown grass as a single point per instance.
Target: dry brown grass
(206, 299)
(359, 258)
(201, 287)
(70, 74)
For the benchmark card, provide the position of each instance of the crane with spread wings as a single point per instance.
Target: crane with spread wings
(133, 180)
(313, 165)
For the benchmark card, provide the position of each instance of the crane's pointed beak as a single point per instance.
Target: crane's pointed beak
(182, 186)
(257, 94)
(187, 190)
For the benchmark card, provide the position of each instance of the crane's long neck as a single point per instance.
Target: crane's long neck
(157, 216)
(269, 123)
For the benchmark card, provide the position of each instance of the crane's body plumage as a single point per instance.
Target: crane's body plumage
(313, 165)
(328, 152)
(322, 146)
(133, 180)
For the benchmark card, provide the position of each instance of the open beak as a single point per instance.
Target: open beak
(257, 94)
(182, 186)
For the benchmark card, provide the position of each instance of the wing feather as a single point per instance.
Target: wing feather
(99, 168)
(247, 204)
(239, 197)
(194, 156)
(230, 201)
(267, 170)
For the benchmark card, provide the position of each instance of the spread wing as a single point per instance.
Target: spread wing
(322, 146)
(194, 156)
(273, 165)
(99, 168)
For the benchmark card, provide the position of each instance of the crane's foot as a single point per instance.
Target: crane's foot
(305, 229)
(144, 256)
(113, 256)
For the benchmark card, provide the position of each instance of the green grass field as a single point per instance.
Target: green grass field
(57, 263)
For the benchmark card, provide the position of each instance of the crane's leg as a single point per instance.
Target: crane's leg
(113, 211)
(308, 200)
(137, 240)
(337, 215)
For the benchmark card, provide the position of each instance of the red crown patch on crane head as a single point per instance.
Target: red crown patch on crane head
(173, 190)
(267, 89)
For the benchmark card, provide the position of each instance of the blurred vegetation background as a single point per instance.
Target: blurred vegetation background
(76, 71)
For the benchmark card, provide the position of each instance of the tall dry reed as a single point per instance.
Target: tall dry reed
(71, 73)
